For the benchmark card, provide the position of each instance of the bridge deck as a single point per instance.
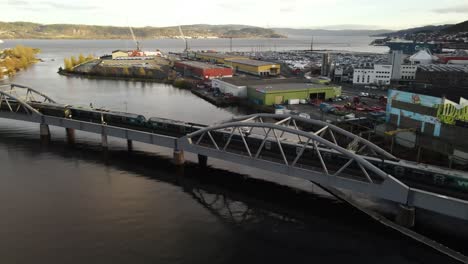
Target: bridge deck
(388, 188)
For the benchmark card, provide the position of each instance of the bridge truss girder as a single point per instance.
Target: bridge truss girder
(385, 187)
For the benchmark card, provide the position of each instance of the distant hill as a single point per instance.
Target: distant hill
(21, 30)
(325, 32)
(424, 29)
(460, 27)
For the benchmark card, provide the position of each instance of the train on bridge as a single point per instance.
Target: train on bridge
(293, 146)
(430, 178)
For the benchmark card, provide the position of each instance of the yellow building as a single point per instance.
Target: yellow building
(215, 57)
(255, 67)
(119, 53)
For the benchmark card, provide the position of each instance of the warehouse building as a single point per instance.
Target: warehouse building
(203, 71)
(444, 80)
(214, 57)
(255, 67)
(230, 85)
(119, 54)
(238, 85)
(280, 93)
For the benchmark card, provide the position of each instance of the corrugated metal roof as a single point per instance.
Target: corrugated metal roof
(442, 68)
(201, 65)
(290, 86)
(218, 55)
(252, 62)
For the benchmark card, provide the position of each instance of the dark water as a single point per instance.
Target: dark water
(77, 204)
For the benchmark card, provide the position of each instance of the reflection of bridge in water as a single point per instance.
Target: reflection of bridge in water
(327, 155)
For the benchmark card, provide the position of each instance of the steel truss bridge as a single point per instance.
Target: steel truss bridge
(323, 153)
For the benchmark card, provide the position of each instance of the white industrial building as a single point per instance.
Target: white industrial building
(408, 71)
(379, 75)
(225, 86)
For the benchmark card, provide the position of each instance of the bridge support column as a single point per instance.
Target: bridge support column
(70, 135)
(178, 158)
(129, 145)
(202, 160)
(104, 141)
(44, 131)
(406, 216)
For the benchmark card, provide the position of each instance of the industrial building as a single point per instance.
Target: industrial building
(229, 86)
(402, 71)
(438, 122)
(255, 67)
(238, 85)
(203, 71)
(214, 57)
(444, 80)
(280, 93)
(378, 74)
(458, 57)
(408, 72)
(119, 54)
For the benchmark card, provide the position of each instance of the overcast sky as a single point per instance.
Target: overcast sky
(331, 14)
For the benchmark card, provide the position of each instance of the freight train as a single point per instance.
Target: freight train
(121, 119)
(450, 182)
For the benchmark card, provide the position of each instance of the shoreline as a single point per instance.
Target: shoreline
(102, 77)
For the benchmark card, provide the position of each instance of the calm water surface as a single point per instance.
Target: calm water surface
(76, 204)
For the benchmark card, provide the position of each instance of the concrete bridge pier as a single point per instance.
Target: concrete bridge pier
(406, 216)
(202, 160)
(129, 144)
(70, 135)
(104, 141)
(178, 158)
(44, 131)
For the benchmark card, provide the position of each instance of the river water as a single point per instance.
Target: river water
(66, 203)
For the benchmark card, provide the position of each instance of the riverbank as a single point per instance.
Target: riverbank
(108, 77)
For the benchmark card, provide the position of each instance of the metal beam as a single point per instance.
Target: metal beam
(336, 129)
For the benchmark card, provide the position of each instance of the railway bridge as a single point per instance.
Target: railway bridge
(290, 145)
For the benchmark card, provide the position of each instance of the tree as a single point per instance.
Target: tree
(81, 59)
(67, 64)
(23, 62)
(125, 71)
(73, 60)
(89, 57)
(142, 72)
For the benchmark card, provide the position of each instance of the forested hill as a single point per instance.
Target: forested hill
(13, 30)
(460, 27)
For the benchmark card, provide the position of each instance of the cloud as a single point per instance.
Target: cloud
(456, 9)
(17, 2)
(62, 5)
(287, 9)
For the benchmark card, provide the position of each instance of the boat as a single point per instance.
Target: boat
(411, 47)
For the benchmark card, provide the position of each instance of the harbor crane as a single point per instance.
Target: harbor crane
(134, 39)
(185, 40)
